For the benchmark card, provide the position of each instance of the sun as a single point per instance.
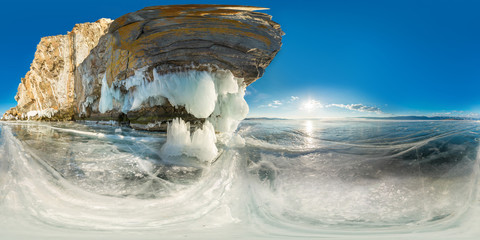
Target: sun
(310, 105)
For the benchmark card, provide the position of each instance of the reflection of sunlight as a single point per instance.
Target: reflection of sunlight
(308, 127)
(309, 132)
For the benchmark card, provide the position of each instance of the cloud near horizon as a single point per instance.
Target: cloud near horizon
(273, 104)
(313, 104)
(356, 107)
(455, 113)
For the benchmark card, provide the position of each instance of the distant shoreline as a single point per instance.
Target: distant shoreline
(406, 118)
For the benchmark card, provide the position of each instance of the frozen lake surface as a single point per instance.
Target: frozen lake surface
(293, 179)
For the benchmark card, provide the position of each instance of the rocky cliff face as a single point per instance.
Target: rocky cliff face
(136, 68)
(47, 90)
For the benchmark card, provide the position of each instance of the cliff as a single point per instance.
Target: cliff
(47, 90)
(151, 66)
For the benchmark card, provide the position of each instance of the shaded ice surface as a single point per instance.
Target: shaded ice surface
(275, 179)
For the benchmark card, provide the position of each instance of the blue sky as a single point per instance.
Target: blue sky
(339, 58)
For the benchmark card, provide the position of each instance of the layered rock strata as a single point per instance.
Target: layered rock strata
(127, 69)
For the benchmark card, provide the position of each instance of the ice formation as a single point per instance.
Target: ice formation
(193, 89)
(200, 145)
(8, 117)
(197, 91)
(216, 96)
(47, 113)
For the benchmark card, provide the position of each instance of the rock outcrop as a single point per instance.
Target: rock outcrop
(97, 71)
(49, 86)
